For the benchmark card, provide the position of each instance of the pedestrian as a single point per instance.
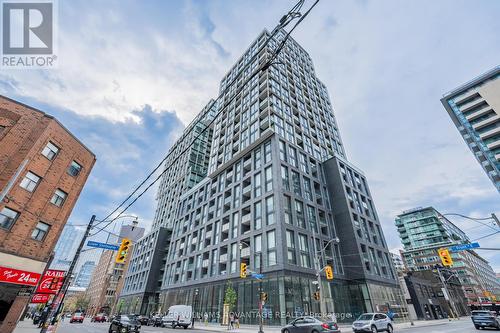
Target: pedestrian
(237, 320)
(231, 321)
(205, 317)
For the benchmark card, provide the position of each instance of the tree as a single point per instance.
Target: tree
(82, 302)
(230, 297)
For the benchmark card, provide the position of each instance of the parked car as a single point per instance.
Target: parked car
(144, 320)
(178, 315)
(373, 322)
(155, 321)
(124, 324)
(485, 318)
(310, 325)
(77, 317)
(99, 318)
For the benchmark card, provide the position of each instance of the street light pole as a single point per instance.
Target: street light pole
(445, 287)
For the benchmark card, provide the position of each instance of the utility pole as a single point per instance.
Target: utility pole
(445, 287)
(64, 288)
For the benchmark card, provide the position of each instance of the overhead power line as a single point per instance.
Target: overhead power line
(284, 21)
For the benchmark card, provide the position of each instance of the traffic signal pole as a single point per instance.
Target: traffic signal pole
(450, 300)
(54, 312)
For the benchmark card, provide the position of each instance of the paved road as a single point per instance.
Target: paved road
(462, 326)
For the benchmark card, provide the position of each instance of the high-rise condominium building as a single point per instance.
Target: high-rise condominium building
(279, 196)
(85, 274)
(474, 108)
(423, 231)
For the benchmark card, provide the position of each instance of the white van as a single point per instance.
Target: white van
(178, 315)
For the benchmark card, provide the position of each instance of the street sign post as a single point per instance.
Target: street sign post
(258, 276)
(103, 245)
(463, 247)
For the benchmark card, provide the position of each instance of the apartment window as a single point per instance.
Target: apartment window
(41, 230)
(257, 215)
(293, 156)
(268, 179)
(303, 163)
(237, 196)
(236, 223)
(258, 186)
(58, 198)
(307, 189)
(8, 217)
(74, 169)
(270, 210)
(257, 251)
(296, 183)
(267, 152)
(304, 251)
(288, 209)
(284, 178)
(271, 248)
(290, 244)
(257, 159)
(30, 181)
(282, 151)
(50, 151)
(299, 211)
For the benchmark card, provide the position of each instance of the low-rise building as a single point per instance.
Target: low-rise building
(43, 168)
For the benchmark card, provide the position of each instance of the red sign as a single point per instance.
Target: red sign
(51, 282)
(40, 298)
(16, 276)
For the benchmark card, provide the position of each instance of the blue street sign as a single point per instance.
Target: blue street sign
(103, 245)
(462, 247)
(258, 276)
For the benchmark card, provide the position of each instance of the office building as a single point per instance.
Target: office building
(66, 247)
(280, 196)
(106, 281)
(43, 168)
(423, 231)
(84, 275)
(474, 108)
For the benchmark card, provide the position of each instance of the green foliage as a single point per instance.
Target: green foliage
(230, 297)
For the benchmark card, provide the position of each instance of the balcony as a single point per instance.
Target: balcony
(223, 258)
(205, 263)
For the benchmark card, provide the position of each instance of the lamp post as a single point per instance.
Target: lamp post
(319, 269)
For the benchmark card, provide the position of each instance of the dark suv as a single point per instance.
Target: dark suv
(485, 318)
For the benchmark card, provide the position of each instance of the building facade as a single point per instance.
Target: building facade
(186, 165)
(474, 108)
(66, 247)
(43, 169)
(423, 231)
(277, 190)
(430, 300)
(85, 274)
(106, 281)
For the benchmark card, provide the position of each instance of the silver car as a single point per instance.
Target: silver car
(373, 322)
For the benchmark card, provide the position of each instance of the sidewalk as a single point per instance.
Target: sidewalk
(26, 326)
(277, 329)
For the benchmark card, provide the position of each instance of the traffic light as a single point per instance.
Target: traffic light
(123, 250)
(316, 295)
(329, 272)
(263, 296)
(445, 256)
(243, 270)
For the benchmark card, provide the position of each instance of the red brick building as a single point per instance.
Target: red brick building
(43, 169)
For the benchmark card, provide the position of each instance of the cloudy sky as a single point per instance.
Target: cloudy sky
(131, 75)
